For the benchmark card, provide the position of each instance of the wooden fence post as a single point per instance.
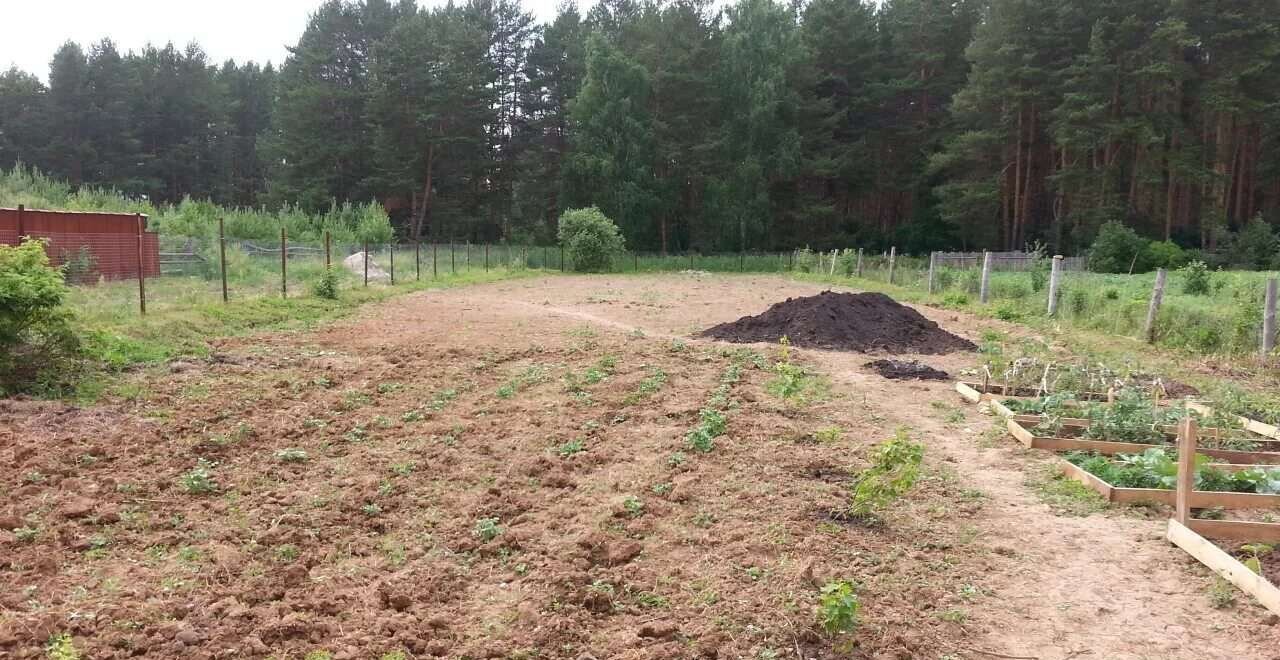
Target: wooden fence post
(366, 263)
(1157, 295)
(284, 264)
(435, 250)
(1055, 279)
(1269, 319)
(984, 288)
(859, 262)
(393, 261)
(417, 260)
(222, 257)
(1186, 482)
(327, 253)
(486, 257)
(142, 273)
(933, 271)
(832, 271)
(893, 258)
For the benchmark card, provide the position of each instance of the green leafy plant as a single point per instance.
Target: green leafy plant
(1196, 279)
(1255, 552)
(838, 607)
(894, 472)
(571, 447)
(199, 480)
(291, 455)
(487, 529)
(633, 505)
(591, 239)
(327, 285)
(60, 647)
(36, 339)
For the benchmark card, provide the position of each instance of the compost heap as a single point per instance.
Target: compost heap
(863, 322)
(906, 370)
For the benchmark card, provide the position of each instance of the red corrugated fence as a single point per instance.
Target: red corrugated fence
(93, 246)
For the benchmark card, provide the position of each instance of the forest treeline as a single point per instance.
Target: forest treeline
(929, 124)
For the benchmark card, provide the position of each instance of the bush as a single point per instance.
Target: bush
(1118, 249)
(896, 467)
(35, 333)
(1165, 254)
(1255, 245)
(591, 239)
(1197, 280)
(327, 286)
(805, 261)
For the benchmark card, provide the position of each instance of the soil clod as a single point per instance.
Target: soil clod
(906, 370)
(862, 322)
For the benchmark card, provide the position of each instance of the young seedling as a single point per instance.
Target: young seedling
(894, 472)
(1256, 552)
(487, 529)
(838, 607)
(199, 480)
(633, 506)
(570, 448)
(291, 455)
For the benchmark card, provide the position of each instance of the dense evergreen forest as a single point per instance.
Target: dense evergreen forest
(931, 124)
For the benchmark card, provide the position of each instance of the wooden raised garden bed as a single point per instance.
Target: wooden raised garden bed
(976, 393)
(1021, 427)
(1200, 499)
(1193, 535)
(1251, 425)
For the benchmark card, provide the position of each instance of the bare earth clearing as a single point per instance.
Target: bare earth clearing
(501, 471)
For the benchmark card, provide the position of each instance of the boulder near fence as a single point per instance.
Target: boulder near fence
(92, 246)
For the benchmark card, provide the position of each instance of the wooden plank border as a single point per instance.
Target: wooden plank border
(1229, 568)
(1253, 425)
(1200, 499)
(1017, 425)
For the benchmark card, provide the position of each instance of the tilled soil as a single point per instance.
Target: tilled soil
(862, 322)
(502, 471)
(906, 370)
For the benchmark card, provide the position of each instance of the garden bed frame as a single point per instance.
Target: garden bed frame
(1252, 425)
(1200, 499)
(1020, 427)
(1190, 534)
(977, 392)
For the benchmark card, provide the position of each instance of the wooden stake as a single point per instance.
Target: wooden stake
(1186, 469)
(435, 274)
(1269, 319)
(933, 267)
(893, 260)
(327, 253)
(417, 260)
(1157, 295)
(859, 262)
(142, 275)
(366, 263)
(984, 289)
(222, 256)
(284, 264)
(832, 272)
(1055, 275)
(393, 263)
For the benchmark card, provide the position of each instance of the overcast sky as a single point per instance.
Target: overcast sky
(242, 30)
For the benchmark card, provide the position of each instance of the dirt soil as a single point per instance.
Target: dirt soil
(905, 370)
(862, 322)
(502, 472)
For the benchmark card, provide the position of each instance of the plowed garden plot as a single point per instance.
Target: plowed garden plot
(503, 471)
(451, 479)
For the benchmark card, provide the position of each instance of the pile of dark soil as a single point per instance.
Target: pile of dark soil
(906, 370)
(863, 322)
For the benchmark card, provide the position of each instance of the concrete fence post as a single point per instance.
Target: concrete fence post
(1153, 310)
(984, 288)
(1055, 279)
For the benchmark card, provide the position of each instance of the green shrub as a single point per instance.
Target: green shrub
(838, 607)
(806, 261)
(1007, 312)
(327, 286)
(1255, 245)
(1078, 301)
(955, 300)
(1118, 249)
(591, 239)
(1165, 254)
(36, 339)
(1197, 279)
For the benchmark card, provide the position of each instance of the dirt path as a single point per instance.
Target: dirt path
(1105, 586)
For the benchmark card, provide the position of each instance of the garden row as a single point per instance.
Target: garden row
(1138, 448)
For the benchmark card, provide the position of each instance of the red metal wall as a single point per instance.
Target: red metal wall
(109, 240)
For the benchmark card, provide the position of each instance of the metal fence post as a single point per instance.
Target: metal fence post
(142, 276)
(417, 260)
(222, 257)
(984, 287)
(435, 251)
(1269, 319)
(366, 263)
(284, 264)
(1157, 295)
(1055, 279)
(393, 262)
